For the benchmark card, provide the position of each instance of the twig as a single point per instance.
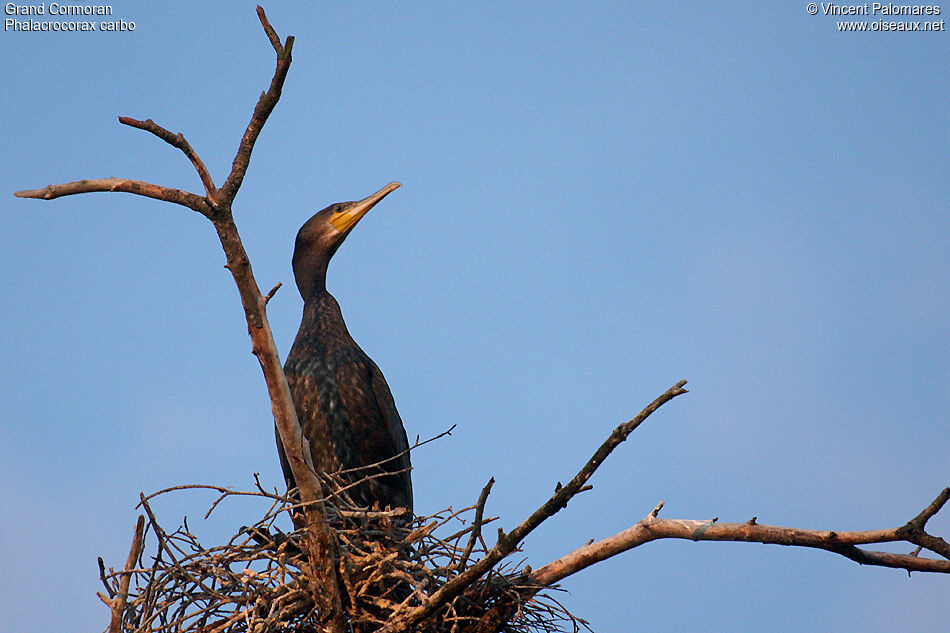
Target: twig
(271, 34)
(221, 489)
(415, 445)
(273, 291)
(177, 140)
(919, 521)
(914, 530)
(102, 577)
(468, 529)
(476, 524)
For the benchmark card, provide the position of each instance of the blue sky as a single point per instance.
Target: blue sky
(596, 203)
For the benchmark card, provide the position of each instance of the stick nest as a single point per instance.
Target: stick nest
(389, 562)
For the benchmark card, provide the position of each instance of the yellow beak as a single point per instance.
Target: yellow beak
(354, 211)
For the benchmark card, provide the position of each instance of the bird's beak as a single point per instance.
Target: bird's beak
(349, 216)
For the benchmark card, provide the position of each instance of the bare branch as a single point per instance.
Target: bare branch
(177, 140)
(652, 528)
(124, 185)
(507, 543)
(265, 106)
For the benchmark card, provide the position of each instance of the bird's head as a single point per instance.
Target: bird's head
(322, 234)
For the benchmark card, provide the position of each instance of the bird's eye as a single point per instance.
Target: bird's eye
(337, 208)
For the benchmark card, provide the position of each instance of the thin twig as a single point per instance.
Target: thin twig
(382, 462)
(144, 498)
(177, 140)
(477, 524)
(273, 291)
(102, 577)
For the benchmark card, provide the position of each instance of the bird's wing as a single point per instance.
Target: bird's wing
(307, 403)
(397, 432)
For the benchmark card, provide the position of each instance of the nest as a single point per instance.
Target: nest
(389, 562)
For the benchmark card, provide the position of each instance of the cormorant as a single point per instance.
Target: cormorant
(343, 403)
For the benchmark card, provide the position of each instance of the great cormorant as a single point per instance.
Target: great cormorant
(343, 403)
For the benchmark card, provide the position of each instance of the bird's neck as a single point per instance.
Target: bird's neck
(323, 318)
(311, 277)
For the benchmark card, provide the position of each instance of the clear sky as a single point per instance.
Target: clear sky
(596, 203)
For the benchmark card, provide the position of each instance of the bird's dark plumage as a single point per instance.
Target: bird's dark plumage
(343, 403)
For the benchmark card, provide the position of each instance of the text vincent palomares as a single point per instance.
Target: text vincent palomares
(876, 8)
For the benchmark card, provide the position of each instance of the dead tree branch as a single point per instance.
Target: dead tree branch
(177, 140)
(262, 110)
(507, 543)
(124, 185)
(652, 528)
(216, 206)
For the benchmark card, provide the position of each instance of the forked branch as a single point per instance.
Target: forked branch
(265, 105)
(216, 206)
